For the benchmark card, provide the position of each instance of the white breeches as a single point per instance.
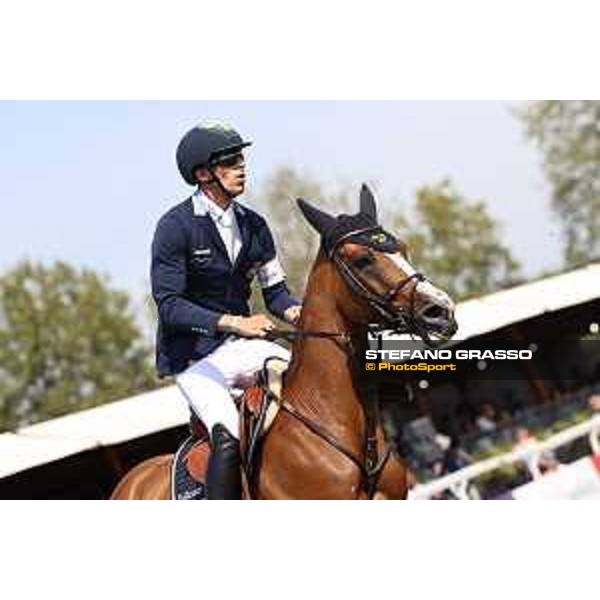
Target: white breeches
(208, 384)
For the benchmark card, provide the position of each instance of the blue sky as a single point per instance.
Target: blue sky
(86, 182)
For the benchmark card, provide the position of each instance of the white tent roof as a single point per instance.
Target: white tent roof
(165, 408)
(494, 311)
(102, 426)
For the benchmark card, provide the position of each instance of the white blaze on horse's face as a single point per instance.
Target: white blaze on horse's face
(431, 303)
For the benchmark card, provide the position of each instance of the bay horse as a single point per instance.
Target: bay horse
(327, 441)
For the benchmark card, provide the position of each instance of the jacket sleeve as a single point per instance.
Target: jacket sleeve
(168, 276)
(271, 277)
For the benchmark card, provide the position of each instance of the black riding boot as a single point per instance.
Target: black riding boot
(223, 477)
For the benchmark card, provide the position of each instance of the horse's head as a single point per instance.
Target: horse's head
(375, 268)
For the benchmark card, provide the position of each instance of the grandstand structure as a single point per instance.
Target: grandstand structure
(563, 308)
(83, 455)
(579, 479)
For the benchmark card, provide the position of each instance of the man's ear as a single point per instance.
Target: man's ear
(202, 175)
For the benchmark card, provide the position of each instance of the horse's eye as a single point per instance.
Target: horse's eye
(362, 261)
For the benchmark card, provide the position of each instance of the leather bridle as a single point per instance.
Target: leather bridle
(400, 321)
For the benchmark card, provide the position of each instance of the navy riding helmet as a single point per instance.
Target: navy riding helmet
(203, 144)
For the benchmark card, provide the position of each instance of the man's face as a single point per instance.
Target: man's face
(231, 171)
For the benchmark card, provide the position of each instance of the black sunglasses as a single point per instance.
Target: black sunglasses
(228, 160)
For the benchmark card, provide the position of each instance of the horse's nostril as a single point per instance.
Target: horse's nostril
(434, 311)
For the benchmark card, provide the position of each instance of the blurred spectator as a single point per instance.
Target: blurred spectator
(547, 462)
(486, 421)
(455, 457)
(512, 401)
(524, 438)
(443, 442)
(556, 395)
(505, 419)
(505, 425)
(537, 463)
(527, 441)
(594, 403)
(466, 424)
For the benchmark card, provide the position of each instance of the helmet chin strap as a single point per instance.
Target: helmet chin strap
(219, 183)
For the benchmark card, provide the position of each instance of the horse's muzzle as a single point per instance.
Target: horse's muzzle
(438, 318)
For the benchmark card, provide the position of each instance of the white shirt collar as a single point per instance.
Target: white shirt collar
(224, 221)
(203, 205)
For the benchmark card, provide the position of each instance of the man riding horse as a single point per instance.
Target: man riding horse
(205, 254)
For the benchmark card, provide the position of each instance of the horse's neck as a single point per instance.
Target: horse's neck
(320, 378)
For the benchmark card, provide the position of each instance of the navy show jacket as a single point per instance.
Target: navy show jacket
(194, 282)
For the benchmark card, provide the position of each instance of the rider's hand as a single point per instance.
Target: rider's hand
(254, 326)
(292, 314)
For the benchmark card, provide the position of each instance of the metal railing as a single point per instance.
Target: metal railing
(458, 482)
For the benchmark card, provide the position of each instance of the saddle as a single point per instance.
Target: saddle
(258, 407)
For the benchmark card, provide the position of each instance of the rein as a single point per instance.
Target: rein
(294, 335)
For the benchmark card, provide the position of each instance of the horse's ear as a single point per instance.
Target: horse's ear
(367, 202)
(321, 221)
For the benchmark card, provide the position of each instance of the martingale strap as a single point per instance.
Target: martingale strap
(373, 464)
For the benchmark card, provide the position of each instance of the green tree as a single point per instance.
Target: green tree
(67, 342)
(568, 134)
(456, 243)
(297, 242)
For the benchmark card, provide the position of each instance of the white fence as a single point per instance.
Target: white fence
(458, 482)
